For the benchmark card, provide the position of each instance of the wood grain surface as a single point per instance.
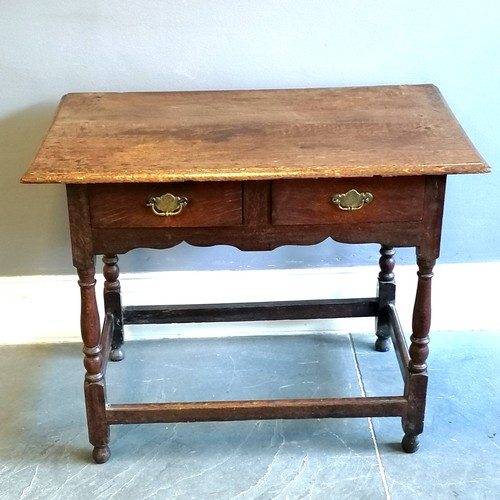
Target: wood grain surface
(253, 135)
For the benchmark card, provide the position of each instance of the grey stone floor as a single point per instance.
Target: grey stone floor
(44, 453)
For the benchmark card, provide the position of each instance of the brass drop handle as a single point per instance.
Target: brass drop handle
(352, 200)
(167, 204)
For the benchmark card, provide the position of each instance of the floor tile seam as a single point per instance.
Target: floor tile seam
(378, 456)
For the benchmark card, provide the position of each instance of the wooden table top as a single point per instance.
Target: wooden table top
(251, 135)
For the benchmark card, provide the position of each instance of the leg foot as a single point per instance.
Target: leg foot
(410, 443)
(116, 354)
(382, 344)
(101, 455)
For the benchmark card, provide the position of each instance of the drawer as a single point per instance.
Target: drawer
(383, 199)
(126, 205)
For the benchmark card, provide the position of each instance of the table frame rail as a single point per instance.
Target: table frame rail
(205, 411)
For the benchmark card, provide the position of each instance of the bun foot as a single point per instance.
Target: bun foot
(410, 443)
(382, 344)
(116, 354)
(101, 455)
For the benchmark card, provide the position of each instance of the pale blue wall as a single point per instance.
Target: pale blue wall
(53, 47)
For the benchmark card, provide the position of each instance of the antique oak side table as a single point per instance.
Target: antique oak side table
(256, 170)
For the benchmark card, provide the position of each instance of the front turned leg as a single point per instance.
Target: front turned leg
(386, 295)
(416, 384)
(113, 304)
(94, 386)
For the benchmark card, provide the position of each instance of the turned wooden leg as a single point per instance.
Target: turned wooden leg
(416, 384)
(112, 303)
(95, 390)
(386, 295)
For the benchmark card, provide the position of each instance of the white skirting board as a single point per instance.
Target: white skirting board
(41, 309)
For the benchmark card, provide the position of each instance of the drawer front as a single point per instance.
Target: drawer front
(331, 201)
(126, 205)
